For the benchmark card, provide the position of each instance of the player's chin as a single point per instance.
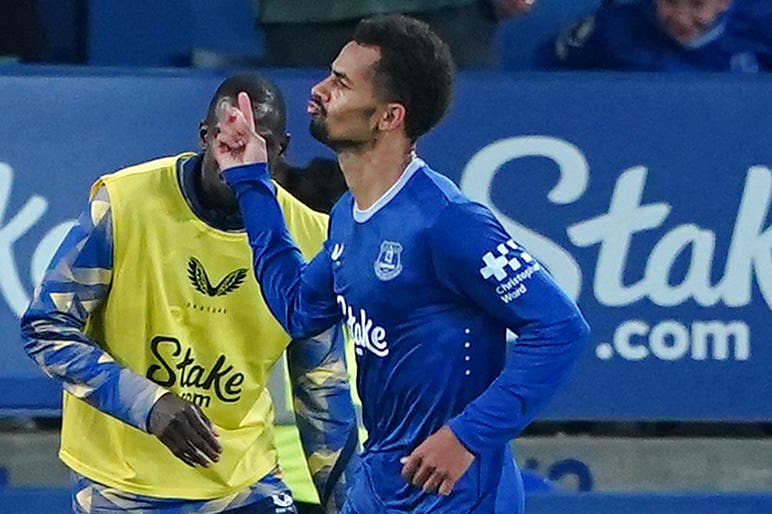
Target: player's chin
(683, 37)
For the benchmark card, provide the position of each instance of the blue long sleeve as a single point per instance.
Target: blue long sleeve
(550, 329)
(299, 294)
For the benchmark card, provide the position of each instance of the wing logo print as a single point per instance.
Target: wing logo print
(200, 280)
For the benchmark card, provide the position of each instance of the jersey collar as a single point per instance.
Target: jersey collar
(362, 215)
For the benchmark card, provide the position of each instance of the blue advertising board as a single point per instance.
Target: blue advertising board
(646, 196)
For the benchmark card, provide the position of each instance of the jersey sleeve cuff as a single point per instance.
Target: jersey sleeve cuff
(466, 435)
(246, 174)
(139, 395)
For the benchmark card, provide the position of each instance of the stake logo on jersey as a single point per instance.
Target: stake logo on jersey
(177, 366)
(362, 330)
(511, 266)
(200, 280)
(388, 264)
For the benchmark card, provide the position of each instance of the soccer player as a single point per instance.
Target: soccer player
(150, 316)
(426, 281)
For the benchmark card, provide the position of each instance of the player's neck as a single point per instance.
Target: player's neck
(371, 172)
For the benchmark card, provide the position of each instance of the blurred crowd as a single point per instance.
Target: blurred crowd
(632, 35)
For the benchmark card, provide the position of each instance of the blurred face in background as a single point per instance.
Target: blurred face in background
(687, 20)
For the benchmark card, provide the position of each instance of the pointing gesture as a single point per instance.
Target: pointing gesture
(237, 142)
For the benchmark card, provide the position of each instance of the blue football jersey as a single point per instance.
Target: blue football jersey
(427, 283)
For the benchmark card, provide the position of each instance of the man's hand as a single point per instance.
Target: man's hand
(437, 463)
(237, 141)
(185, 430)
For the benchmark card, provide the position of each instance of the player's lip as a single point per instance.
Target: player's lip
(313, 107)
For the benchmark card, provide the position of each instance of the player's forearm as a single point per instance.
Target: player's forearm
(324, 412)
(536, 366)
(278, 264)
(331, 465)
(64, 352)
(337, 478)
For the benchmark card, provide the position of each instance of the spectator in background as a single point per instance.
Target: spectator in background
(670, 35)
(150, 317)
(303, 33)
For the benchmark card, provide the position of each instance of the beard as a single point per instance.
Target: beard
(215, 192)
(320, 131)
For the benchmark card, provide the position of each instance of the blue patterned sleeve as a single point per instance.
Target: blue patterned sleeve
(74, 285)
(324, 413)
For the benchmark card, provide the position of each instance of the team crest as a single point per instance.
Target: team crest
(388, 264)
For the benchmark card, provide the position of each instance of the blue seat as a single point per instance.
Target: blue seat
(171, 32)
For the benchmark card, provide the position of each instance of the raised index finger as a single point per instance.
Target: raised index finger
(245, 106)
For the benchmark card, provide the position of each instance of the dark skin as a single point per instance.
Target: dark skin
(179, 424)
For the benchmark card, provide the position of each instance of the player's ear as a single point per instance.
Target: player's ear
(284, 142)
(203, 128)
(392, 117)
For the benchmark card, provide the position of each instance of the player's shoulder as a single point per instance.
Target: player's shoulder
(451, 209)
(154, 166)
(136, 173)
(433, 190)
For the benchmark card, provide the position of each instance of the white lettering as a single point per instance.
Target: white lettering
(362, 332)
(670, 340)
(751, 248)
(663, 257)
(614, 231)
(623, 343)
(13, 291)
(720, 333)
(517, 293)
(748, 259)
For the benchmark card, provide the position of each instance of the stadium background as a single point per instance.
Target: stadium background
(647, 197)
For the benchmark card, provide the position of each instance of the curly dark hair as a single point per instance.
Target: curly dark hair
(415, 68)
